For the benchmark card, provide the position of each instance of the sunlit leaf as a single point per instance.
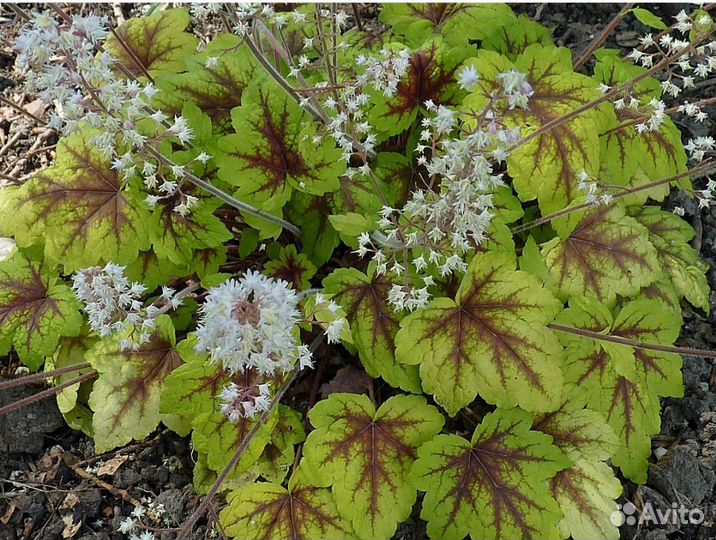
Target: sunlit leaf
(495, 486)
(365, 455)
(156, 44)
(373, 322)
(492, 340)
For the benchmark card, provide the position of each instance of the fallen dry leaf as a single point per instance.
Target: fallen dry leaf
(108, 468)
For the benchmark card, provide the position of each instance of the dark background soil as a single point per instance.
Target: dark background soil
(43, 496)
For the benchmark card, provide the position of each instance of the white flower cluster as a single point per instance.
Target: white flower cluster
(130, 525)
(693, 110)
(690, 66)
(384, 72)
(699, 147)
(250, 323)
(656, 117)
(66, 68)
(114, 304)
(245, 402)
(595, 195)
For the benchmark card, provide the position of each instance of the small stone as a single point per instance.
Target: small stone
(681, 475)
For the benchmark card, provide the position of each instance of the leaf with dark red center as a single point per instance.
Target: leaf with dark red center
(125, 396)
(81, 209)
(629, 158)
(266, 511)
(548, 166)
(157, 43)
(608, 254)
(215, 89)
(494, 486)
(292, 267)
(178, 236)
(614, 379)
(431, 76)
(456, 22)
(263, 159)
(365, 455)
(586, 490)
(671, 235)
(373, 322)
(512, 39)
(492, 340)
(36, 308)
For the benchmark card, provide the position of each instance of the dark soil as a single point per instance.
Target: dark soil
(44, 497)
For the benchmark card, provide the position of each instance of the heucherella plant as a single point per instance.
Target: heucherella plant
(453, 204)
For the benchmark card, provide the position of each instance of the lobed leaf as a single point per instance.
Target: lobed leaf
(374, 324)
(365, 455)
(36, 308)
(125, 397)
(494, 486)
(608, 254)
(267, 511)
(81, 208)
(492, 340)
(157, 43)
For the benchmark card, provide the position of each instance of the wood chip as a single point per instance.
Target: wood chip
(108, 468)
(71, 527)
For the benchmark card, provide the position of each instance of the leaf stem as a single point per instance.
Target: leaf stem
(46, 393)
(228, 199)
(696, 172)
(37, 377)
(636, 344)
(601, 38)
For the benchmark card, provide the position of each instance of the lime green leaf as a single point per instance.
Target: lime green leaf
(585, 491)
(662, 291)
(608, 253)
(613, 379)
(373, 322)
(456, 22)
(512, 39)
(671, 235)
(81, 208)
(178, 236)
(492, 487)
(647, 18)
(195, 386)
(158, 42)
(293, 267)
(627, 157)
(215, 89)
(36, 309)
(263, 158)
(71, 351)
(430, 76)
(265, 511)
(125, 396)
(366, 455)
(492, 340)
(547, 167)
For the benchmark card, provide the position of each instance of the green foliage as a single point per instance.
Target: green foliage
(532, 345)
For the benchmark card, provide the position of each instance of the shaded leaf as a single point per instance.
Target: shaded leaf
(265, 511)
(586, 490)
(373, 322)
(158, 42)
(492, 487)
(512, 39)
(292, 267)
(366, 455)
(671, 235)
(492, 340)
(280, 452)
(36, 309)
